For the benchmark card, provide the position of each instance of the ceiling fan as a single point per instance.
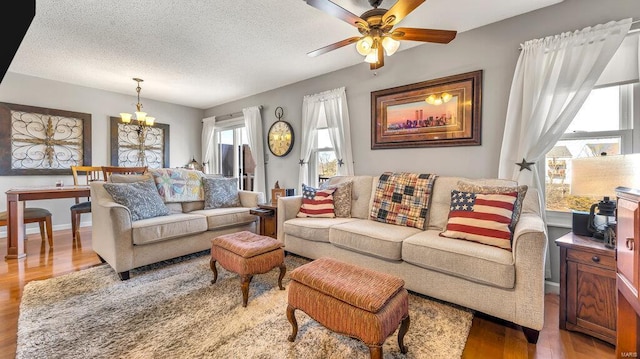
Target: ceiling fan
(376, 28)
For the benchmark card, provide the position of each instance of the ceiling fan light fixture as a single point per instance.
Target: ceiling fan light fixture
(372, 57)
(390, 45)
(364, 45)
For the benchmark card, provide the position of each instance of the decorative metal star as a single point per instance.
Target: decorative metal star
(340, 162)
(525, 165)
(301, 162)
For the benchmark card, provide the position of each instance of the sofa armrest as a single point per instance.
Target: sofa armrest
(529, 254)
(288, 208)
(112, 228)
(250, 198)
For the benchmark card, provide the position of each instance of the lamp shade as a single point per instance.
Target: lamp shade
(599, 176)
(390, 45)
(126, 117)
(363, 46)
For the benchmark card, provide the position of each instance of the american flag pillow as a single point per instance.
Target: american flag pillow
(317, 202)
(482, 218)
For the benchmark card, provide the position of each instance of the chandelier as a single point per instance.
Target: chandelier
(142, 121)
(141, 117)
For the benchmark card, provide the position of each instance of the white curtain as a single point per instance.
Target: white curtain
(337, 115)
(209, 148)
(553, 78)
(333, 104)
(253, 126)
(310, 115)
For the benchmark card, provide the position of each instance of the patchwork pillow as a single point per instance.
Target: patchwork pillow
(141, 198)
(317, 202)
(341, 198)
(481, 218)
(402, 199)
(220, 192)
(478, 187)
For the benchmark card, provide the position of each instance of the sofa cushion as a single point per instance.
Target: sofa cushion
(402, 199)
(225, 217)
(341, 198)
(482, 218)
(370, 237)
(191, 206)
(312, 229)
(220, 192)
(360, 193)
(483, 187)
(158, 229)
(473, 261)
(317, 202)
(141, 198)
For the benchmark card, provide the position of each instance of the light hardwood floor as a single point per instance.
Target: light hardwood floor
(489, 338)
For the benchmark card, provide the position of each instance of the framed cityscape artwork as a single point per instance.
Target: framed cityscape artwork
(434, 113)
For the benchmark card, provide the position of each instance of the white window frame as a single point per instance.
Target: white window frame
(238, 163)
(629, 140)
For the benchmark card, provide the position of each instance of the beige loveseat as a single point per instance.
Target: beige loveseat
(503, 284)
(125, 244)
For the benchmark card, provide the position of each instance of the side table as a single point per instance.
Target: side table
(587, 287)
(268, 214)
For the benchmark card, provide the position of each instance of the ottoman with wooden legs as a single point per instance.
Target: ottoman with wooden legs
(247, 254)
(350, 300)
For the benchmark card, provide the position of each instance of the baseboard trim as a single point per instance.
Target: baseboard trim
(551, 287)
(36, 230)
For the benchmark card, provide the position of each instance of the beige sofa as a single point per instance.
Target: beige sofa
(125, 244)
(503, 284)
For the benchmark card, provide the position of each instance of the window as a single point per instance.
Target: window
(325, 156)
(603, 126)
(234, 155)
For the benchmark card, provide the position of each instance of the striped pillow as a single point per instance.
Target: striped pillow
(317, 202)
(482, 218)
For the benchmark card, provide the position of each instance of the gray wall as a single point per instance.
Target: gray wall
(493, 49)
(185, 129)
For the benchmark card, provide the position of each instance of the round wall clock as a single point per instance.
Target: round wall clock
(280, 136)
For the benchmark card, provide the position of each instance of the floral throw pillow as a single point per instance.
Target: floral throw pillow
(317, 202)
(141, 198)
(341, 198)
(220, 192)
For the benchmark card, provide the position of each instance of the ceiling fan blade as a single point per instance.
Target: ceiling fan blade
(338, 11)
(334, 46)
(399, 10)
(425, 35)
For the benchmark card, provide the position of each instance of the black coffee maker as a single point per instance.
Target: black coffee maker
(602, 224)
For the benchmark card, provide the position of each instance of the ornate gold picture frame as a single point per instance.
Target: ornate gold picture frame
(434, 113)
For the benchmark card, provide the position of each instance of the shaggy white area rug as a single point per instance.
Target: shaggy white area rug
(171, 310)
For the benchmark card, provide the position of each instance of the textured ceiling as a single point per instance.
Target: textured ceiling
(202, 53)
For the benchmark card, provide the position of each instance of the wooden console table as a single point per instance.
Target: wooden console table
(587, 287)
(15, 211)
(268, 214)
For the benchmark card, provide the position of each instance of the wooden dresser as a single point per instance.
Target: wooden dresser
(627, 242)
(587, 287)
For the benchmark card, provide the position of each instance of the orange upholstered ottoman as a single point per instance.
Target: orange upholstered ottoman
(351, 300)
(247, 254)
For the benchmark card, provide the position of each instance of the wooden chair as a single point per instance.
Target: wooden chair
(108, 170)
(82, 175)
(32, 215)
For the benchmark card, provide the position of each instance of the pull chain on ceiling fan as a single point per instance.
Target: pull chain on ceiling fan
(376, 28)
